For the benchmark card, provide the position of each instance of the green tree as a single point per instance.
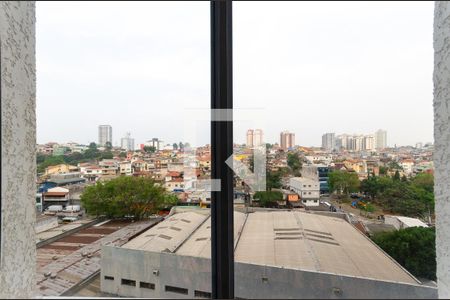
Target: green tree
(106, 155)
(396, 176)
(414, 248)
(149, 149)
(393, 165)
(294, 162)
(175, 146)
(383, 170)
(273, 180)
(180, 145)
(343, 182)
(108, 146)
(268, 198)
(50, 161)
(93, 146)
(425, 181)
(123, 154)
(126, 196)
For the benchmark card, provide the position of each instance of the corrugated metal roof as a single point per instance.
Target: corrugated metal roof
(288, 239)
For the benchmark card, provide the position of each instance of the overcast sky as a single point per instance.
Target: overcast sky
(310, 68)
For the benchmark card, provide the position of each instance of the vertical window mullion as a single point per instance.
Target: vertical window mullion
(222, 237)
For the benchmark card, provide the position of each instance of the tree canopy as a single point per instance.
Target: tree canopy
(410, 197)
(268, 198)
(343, 182)
(294, 162)
(126, 196)
(149, 149)
(414, 248)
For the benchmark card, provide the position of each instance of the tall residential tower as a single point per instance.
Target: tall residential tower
(287, 140)
(380, 139)
(104, 134)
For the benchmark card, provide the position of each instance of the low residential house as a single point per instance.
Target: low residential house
(308, 190)
(139, 166)
(175, 167)
(315, 159)
(55, 196)
(204, 161)
(407, 165)
(125, 168)
(176, 184)
(109, 167)
(359, 166)
(60, 169)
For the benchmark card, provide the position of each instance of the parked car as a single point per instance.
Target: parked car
(69, 219)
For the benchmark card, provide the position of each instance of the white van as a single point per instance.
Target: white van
(54, 208)
(72, 208)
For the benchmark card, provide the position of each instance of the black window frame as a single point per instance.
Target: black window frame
(222, 233)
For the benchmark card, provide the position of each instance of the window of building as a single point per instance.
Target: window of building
(175, 289)
(109, 278)
(201, 294)
(146, 285)
(128, 282)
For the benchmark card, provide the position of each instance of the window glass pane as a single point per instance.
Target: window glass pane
(123, 98)
(347, 92)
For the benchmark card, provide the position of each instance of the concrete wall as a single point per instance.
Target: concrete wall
(252, 281)
(441, 78)
(18, 158)
(46, 224)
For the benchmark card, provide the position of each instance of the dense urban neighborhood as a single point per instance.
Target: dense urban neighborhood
(380, 191)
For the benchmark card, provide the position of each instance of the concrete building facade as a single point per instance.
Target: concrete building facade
(380, 139)
(300, 255)
(255, 137)
(441, 78)
(328, 141)
(18, 146)
(287, 140)
(104, 135)
(127, 143)
(307, 188)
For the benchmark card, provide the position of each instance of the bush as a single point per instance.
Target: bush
(414, 248)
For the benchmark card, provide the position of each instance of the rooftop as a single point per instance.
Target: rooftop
(288, 239)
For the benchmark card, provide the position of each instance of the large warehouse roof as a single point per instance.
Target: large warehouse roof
(288, 239)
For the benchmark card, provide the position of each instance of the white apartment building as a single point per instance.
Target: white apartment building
(380, 139)
(369, 142)
(255, 137)
(104, 134)
(308, 190)
(328, 141)
(127, 143)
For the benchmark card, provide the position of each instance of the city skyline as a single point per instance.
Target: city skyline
(369, 79)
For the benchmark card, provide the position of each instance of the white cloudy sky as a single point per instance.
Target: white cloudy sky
(301, 66)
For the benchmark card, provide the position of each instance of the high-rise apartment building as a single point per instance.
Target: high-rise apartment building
(258, 137)
(356, 143)
(328, 141)
(368, 142)
(255, 137)
(127, 142)
(104, 134)
(380, 139)
(287, 140)
(250, 138)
